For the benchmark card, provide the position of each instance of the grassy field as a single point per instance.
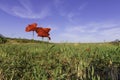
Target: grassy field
(49, 61)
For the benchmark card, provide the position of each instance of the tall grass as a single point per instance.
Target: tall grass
(43, 61)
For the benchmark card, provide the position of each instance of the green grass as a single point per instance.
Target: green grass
(45, 61)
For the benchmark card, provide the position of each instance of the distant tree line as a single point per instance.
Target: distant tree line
(116, 42)
(2, 39)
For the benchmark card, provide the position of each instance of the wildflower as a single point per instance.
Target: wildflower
(88, 49)
(31, 27)
(43, 32)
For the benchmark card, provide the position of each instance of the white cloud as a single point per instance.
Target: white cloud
(75, 29)
(68, 12)
(25, 9)
(25, 13)
(57, 3)
(26, 4)
(113, 32)
(97, 32)
(81, 7)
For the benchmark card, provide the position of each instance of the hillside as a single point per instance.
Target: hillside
(20, 40)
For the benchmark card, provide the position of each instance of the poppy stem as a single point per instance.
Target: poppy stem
(42, 38)
(33, 35)
(48, 39)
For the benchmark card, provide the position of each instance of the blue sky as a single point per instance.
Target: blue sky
(70, 20)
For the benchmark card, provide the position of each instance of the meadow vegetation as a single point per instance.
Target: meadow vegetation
(50, 61)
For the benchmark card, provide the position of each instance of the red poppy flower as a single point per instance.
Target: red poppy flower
(31, 27)
(43, 32)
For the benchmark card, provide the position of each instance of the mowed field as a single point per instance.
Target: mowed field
(65, 61)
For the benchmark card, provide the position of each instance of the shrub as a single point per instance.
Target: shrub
(116, 42)
(2, 40)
